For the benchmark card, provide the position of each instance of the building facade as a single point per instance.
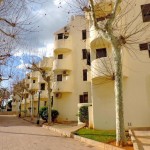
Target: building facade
(135, 65)
(70, 86)
(83, 68)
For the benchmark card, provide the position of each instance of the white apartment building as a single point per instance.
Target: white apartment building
(136, 68)
(75, 82)
(71, 86)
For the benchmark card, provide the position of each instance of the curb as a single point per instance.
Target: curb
(59, 131)
(134, 140)
(96, 143)
(66, 133)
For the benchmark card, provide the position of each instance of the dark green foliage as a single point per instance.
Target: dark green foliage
(83, 114)
(44, 113)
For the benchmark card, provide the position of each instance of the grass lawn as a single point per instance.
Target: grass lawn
(104, 136)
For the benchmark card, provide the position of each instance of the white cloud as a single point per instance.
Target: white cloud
(23, 66)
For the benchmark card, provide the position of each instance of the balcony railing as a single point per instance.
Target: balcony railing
(40, 79)
(63, 64)
(34, 75)
(63, 86)
(62, 45)
(33, 86)
(46, 63)
(102, 68)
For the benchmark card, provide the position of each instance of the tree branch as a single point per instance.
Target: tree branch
(8, 22)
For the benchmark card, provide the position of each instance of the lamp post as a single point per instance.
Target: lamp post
(38, 115)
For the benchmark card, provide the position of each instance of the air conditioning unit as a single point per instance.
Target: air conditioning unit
(65, 73)
(66, 28)
(58, 95)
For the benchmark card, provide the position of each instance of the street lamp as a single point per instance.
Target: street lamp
(38, 116)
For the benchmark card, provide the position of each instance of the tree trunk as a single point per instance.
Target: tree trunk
(25, 107)
(49, 102)
(32, 111)
(120, 131)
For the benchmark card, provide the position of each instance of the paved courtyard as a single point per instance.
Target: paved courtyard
(17, 134)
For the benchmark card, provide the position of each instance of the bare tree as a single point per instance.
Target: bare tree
(111, 26)
(16, 21)
(48, 78)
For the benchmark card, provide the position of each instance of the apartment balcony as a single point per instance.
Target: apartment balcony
(28, 100)
(33, 87)
(103, 8)
(14, 103)
(63, 64)
(23, 101)
(44, 95)
(96, 40)
(25, 92)
(34, 75)
(62, 45)
(46, 63)
(102, 68)
(27, 81)
(63, 86)
(40, 79)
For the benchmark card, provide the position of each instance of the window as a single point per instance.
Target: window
(83, 34)
(85, 75)
(84, 53)
(85, 95)
(27, 95)
(52, 101)
(83, 98)
(33, 81)
(145, 46)
(45, 102)
(28, 77)
(88, 59)
(59, 77)
(60, 36)
(27, 85)
(145, 12)
(42, 86)
(60, 56)
(101, 53)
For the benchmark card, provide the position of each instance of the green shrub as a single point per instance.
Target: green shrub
(44, 113)
(83, 114)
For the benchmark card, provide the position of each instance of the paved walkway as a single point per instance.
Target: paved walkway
(64, 129)
(17, 134)
(141, 139)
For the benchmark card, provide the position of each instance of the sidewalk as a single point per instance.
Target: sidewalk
(66, 129)
(34, 120)
(141, 138)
